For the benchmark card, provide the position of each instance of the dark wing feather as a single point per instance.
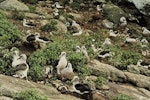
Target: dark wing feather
(31, 38)
(145, 63)
(82, 87)
(45, 39)
(21, 67)
(103, 52)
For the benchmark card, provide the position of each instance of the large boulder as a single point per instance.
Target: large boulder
(135, 93)
(142, 5)
(13, 5)
(9, 86)
(105, 70)
(113, 13)
(139, 80)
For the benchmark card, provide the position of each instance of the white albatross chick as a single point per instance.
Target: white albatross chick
(78, 49)
(98, 8)
(15, 58)
(107, 42)
(19, 60)
(57, 5)
(22, 70)
(130, 40)
(123, 22)
(56, 13)
(76, 28)
(112, 34)
(67, 69)
(145, 32)
(85, 53)
(62, 62)
(95, 49)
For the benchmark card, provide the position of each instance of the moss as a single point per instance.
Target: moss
(100, 81)
(49, 27)
(122, 97)
(123, 57)
(9, 34)
(29, 95)
(30, 1)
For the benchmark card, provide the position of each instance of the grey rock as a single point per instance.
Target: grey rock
(142, 5)
(144, 71)
(13, 5)
(11, 85)
(135, 93)
(113, 13)
(106, 23)
(108, 71)
(133, 69)
(5, 98)
(138, 80)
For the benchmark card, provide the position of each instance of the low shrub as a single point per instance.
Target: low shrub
(9, 34)
(100, 81)
(30, 1)
(122, 58)
(29, 95)
(49, 27)
(18, 15)
(122, 97)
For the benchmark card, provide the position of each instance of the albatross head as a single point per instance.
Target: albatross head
(62, 54)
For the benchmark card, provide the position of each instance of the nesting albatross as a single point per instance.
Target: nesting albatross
(62, 62)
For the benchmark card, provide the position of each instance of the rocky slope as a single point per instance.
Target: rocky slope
(122, 74)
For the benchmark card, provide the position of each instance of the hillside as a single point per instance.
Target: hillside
(105, 43)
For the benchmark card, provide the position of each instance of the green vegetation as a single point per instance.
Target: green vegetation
(29, 95)
(9, 34)
(100, 81)
(32, 8)
(122, 57)
(30, 1)
(49, 27)
(122, 97)
(18, 15)
(6, 57)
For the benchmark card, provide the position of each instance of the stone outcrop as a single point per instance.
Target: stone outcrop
(13, 5)
(138, 80)
(10, 85)
(105, 70)
(113, 13)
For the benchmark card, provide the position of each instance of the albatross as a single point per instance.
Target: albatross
(22, 70)
(28, 23)
(80, 88)
(62, 62)
(17, 60)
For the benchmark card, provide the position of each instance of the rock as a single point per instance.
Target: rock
(107, 24)
(105, 87)
(78, 17)
(62, 28)
(31, 15)
(101, 1)
(144, 71)
(13, 5)
(105, 70)
(133, 69)
(113, 13)
(5, 98)
(138, 80)
(142, 5)
(135, 93)
(13, 85)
